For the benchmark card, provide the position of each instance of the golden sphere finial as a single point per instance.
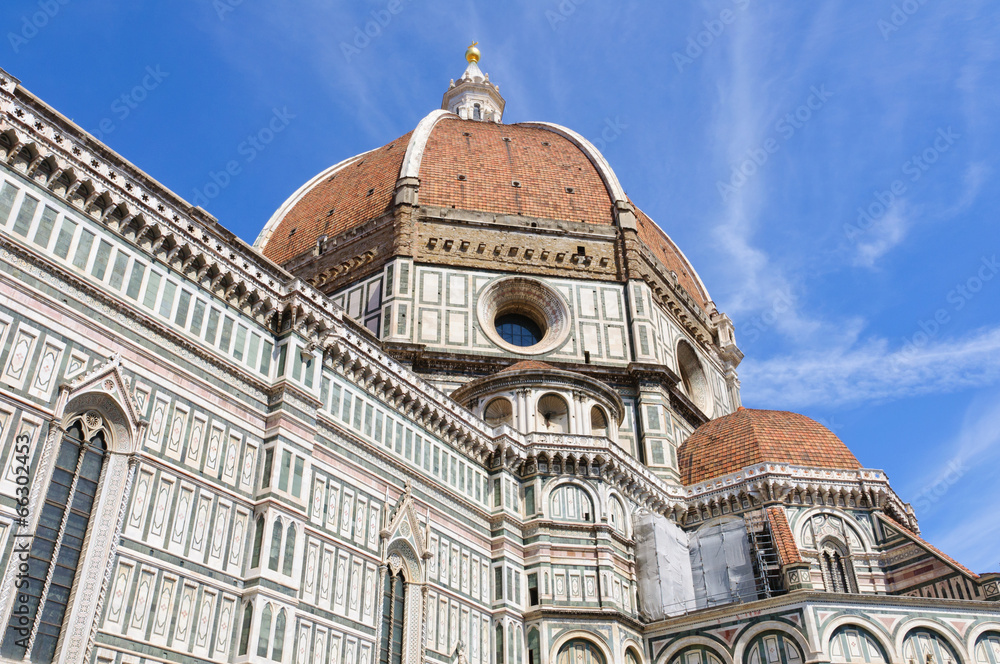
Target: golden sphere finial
(472, 53)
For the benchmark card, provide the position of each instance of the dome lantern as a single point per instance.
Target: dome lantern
(473, 96)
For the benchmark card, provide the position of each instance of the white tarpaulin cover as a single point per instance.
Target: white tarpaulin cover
(680, 572)
(721, 568)
(663, 567)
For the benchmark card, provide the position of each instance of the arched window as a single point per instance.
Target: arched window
(275, 558)
(498, 411)
(553, 414)
(534, 648)
(850, 644)
(518, 329)
(692, 375)
(393, 615)
(837, 568)
(477, 113)
(571, 503)
(923, 645)
(773, 648)
(265, 631)
(631, 657)
(57, 546)
(245, 631)
(598, 422)
(278, 645)
(988, 648)
(258, 542)
(289, 561)
(696, 655)
(617, 516)
(579, 651)
(498, 643)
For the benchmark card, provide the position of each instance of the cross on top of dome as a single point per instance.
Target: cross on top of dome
(473, 96)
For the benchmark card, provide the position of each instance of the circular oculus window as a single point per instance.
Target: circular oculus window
(523, 316)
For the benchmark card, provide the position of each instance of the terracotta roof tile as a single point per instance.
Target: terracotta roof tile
(660, 244)
(748, 436)
(528, 365)
(471, 165)
(492, 156)
(360, 191)
(784, 541)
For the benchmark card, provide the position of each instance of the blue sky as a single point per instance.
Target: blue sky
(830, 169)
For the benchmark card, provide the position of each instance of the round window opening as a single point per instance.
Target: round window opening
(522, 315)
(519, 330)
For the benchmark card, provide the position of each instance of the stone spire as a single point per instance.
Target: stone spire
(473, 97)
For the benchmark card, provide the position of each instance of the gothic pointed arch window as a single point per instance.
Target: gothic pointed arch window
(57, 547)
(245, 630)
(278, 642)
(275, 556)
(393, 616)
(289, 560)
(264, 631)
(258, 542)
(838, 571)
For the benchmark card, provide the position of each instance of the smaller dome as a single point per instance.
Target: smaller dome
(749, 436)
(528, 365)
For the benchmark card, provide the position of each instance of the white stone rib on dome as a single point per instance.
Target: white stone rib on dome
(694, 272)
(272, 223)
(612, 183)
(418, 142)
(596, 158)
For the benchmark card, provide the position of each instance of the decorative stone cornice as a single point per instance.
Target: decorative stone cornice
(588, 456)
(771, 482)
(549, 377)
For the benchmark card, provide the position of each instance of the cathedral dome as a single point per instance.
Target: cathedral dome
(527, 171)
(749, 436)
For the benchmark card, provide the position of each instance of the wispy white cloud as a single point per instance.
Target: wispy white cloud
(975, 176)
(744, 119)
(962, 474)
(885, 235)
(871, 370)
